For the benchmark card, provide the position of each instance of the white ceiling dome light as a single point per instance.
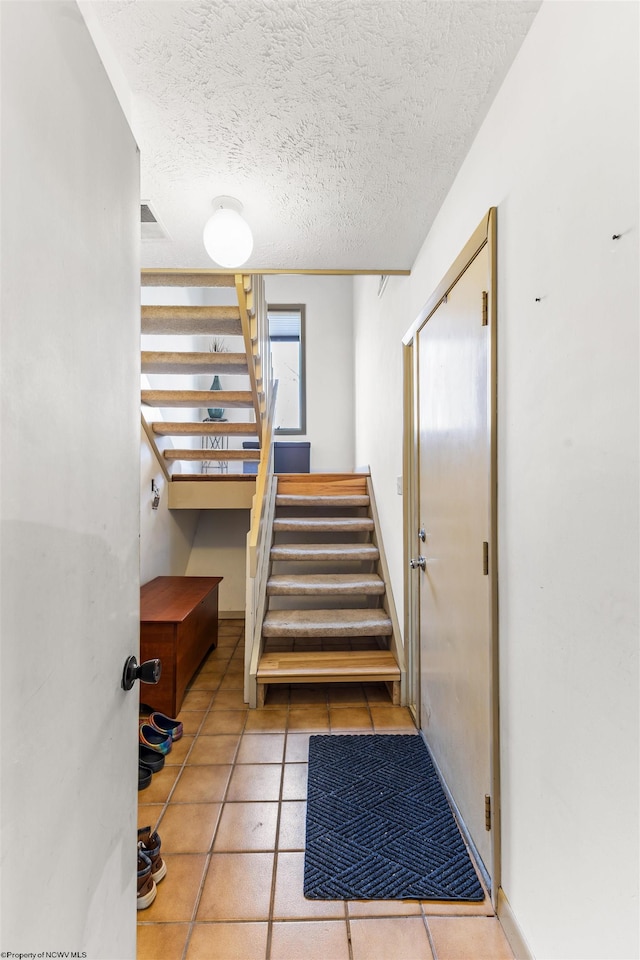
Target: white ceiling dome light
(227, 236)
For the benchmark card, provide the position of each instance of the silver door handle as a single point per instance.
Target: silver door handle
(418, 562)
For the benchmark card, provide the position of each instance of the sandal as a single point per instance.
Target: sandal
(150, 758)
(166, 725)
(150, 737)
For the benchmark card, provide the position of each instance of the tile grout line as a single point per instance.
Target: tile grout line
(207, 861)
(432, 945)
(183, 765)
(192, 922)
(222, 803)
(274, 872)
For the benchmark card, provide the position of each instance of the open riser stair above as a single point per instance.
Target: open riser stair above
(328, 614)
(212, 361)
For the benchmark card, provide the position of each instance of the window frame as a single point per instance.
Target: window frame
(302, 386)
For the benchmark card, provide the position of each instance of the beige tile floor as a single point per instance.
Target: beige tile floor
(230, 808)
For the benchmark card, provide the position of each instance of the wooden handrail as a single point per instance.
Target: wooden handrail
(154, 446)
(261, 485)
(246, 333)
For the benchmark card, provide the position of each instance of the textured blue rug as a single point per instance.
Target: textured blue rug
(379, 826)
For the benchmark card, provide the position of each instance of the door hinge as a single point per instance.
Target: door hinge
(485, 308)
(487, 812)
(485, 558)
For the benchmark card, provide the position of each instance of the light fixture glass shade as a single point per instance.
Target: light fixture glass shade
(227, 236)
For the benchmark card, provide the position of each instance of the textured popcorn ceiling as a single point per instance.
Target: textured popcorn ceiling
(339, 124)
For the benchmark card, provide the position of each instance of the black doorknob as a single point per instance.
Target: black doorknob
(147, 672)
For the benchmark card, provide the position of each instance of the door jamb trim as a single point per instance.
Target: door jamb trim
(484, 234)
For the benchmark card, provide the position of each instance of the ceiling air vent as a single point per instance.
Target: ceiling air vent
(150, 226)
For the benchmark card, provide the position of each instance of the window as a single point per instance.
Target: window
(286, 335)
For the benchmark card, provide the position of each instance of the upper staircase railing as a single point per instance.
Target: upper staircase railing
(258, 544)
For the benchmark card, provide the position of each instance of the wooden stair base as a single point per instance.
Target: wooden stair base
(350, 666)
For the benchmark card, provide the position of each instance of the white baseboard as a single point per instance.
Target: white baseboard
(511, 929)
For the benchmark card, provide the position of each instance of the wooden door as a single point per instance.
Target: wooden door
(454, 503)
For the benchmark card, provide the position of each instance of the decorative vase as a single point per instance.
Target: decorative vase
(215, 413)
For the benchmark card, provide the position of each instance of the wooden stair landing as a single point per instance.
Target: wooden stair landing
(361, 666)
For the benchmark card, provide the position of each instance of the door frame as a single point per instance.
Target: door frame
(485, 235)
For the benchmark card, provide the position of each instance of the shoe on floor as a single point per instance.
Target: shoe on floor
(150, 758)
(149, 844)
(146, 885)
(144, 776)
(150, 737)
(166, 725)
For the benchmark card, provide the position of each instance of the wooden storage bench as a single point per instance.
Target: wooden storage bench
(179, 625)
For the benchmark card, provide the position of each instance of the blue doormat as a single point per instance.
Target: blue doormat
(379, 826)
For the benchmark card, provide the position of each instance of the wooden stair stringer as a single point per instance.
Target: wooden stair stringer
(253, 637)
(395, 643)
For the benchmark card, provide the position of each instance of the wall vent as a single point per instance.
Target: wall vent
(150, 226)
(146, 214)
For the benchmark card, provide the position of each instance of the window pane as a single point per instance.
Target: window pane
(286, 332)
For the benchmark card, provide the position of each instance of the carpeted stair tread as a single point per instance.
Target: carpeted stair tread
(163, 361)
(192, 320)
(324, 551)
(327, 666)
(323, 524)
(327, 623)
(197, 398)
(325, 584)
(302, 500)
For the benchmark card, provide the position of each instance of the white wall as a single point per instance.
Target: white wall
(378, 327)
(558, 156)
(219, 550)
(329, 365)
(166, 536)
(69, 505)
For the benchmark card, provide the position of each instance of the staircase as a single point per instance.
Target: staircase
(242, 359)
(318, 608)
(327, 616)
